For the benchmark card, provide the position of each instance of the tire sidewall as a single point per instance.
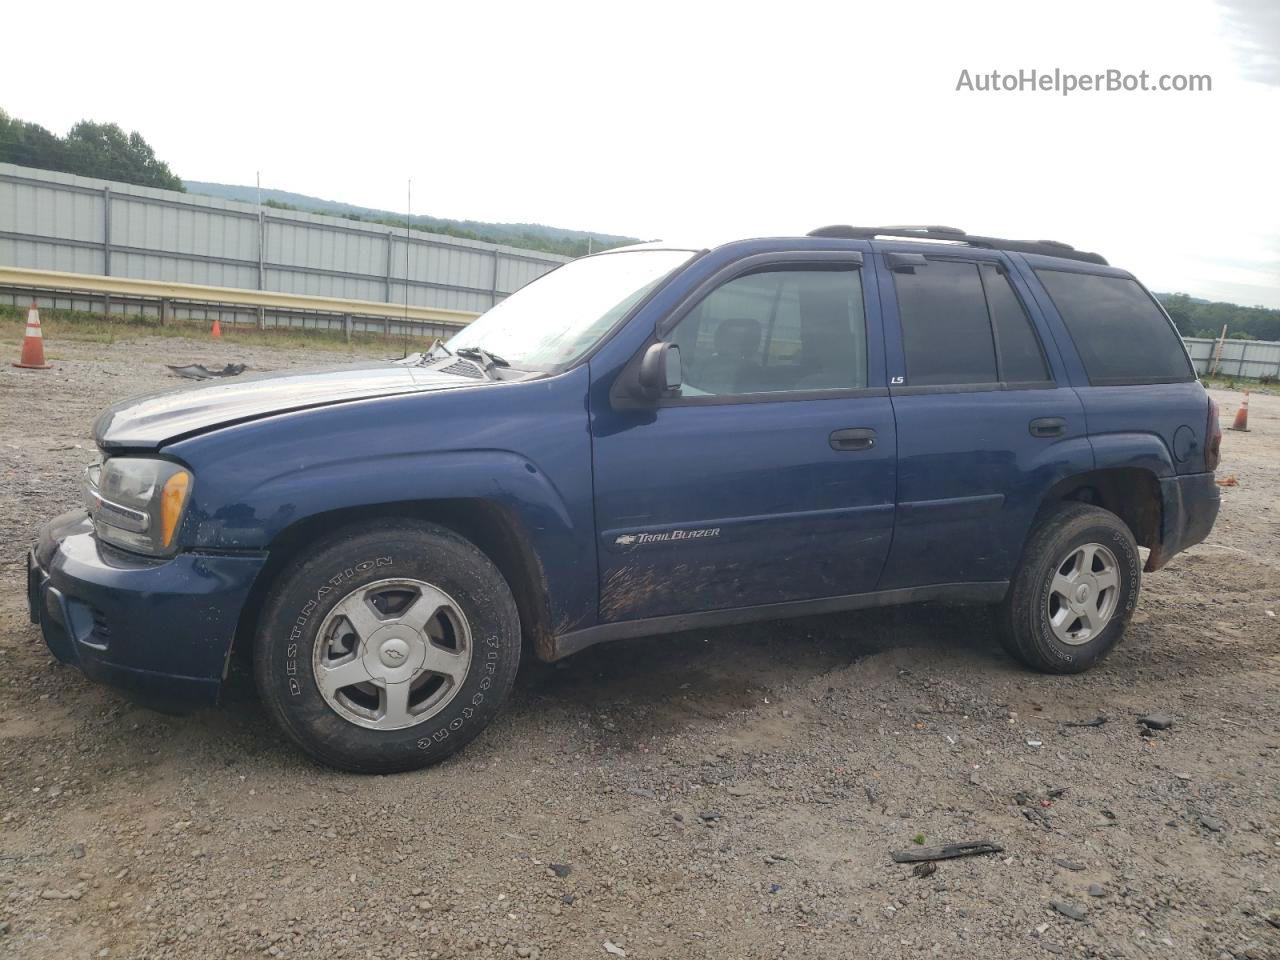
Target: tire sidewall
(1065, 657)
(284, 650)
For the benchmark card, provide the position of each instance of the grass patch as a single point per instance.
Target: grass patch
(124, 328)
(1267, 385)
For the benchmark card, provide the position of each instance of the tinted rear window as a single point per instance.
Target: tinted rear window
(946, 333)
(1021, 360)
(1119, 332)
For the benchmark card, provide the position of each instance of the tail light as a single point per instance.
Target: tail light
(1213, 438)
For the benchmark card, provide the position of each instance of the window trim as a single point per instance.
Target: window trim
(990, 386)
(758, 263)
(1118, 381)
(777, 396)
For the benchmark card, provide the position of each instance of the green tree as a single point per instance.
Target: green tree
(1206, 319)
(1179, 307)
(29, 144)
(91, 149)
(104, 150)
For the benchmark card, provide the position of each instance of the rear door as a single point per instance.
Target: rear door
(771, 478)
(986, 418)
(1139, 390)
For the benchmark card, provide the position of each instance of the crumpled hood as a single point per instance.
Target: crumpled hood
(152, 420)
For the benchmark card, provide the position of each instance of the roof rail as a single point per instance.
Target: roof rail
(1048, 248)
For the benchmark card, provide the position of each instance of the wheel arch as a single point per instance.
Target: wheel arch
(495, 529)
(1131, 493)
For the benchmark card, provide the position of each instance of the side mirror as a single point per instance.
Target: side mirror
(660, 371)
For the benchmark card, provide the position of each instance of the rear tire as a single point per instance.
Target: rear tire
(1074, 591)
(387, 648)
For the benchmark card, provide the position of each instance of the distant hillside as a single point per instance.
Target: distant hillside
(1162, 296)
(1196, 317)
(531, 236)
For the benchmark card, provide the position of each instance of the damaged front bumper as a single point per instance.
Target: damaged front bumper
(158, 629)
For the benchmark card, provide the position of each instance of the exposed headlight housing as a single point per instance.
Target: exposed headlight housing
(137, 503)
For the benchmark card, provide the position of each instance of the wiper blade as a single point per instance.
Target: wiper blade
(486, 357)
(438, 345)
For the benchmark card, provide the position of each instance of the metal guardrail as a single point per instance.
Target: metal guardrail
(167, 296)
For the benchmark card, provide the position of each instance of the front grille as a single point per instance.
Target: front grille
(464, 368)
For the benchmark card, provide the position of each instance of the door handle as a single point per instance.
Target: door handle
(853, 438)
(1048, 427)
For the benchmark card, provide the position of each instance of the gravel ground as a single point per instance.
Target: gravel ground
(722, 794)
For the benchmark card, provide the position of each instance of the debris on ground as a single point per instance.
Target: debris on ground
(946, 851)
(1230, 480)
(198, 371)
(1157, 721)
(926, 869)
(1068, 909)
(1097, 721)
(612, 948)
(1034, 809)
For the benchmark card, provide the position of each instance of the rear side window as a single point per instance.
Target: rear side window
(1119, 332)
(963, 324)
(945, 331)
(1020, 357)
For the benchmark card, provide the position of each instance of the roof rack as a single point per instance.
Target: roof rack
(1048, 248)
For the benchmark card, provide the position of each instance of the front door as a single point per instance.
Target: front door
(771, 478)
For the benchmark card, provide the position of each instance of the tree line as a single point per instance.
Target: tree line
(1202, 318)
(565, 246)
(89, 149)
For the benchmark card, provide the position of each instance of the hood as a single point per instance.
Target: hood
(152, 420)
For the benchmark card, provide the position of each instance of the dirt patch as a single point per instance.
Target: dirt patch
(730, 793)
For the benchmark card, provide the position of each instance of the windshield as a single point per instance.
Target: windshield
(557, 318)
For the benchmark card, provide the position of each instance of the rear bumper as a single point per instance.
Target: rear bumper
(158, 629)
(1189, 508)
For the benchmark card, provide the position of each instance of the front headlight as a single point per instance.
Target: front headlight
(137, 503)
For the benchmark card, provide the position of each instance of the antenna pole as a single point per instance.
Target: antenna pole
(262, 242)
(408, 216)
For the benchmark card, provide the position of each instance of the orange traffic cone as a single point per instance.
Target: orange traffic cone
(1242, 415)
(33, 343)
(217, 329)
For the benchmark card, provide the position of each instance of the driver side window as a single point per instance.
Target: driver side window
(776, 331)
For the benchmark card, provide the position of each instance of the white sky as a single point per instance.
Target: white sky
(691, 119)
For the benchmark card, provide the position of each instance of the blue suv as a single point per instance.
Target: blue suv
(643, 441)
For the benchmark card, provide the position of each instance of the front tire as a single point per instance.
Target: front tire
(387, 648)
(1074, 592)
